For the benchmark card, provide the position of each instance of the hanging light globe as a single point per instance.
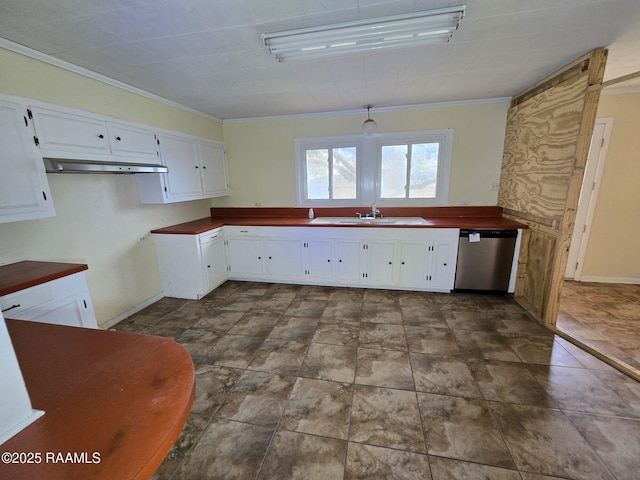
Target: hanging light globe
(369, 126)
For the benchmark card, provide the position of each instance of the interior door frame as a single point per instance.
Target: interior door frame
(588, 197)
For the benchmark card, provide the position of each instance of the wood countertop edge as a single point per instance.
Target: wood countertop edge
(27, 273)
(207, 224)
(95, 397)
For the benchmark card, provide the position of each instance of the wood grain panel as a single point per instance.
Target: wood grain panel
(540, 148)
(548, 130)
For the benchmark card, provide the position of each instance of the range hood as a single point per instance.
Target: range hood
(62, 165)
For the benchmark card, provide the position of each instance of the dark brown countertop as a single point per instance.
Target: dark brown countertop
(123, 396)
(436, 217)
(20, 275)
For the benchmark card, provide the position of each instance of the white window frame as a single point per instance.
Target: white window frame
(368, 165)
(445, 140)
(304, 144)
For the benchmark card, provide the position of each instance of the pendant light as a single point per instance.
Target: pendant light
(369, 126)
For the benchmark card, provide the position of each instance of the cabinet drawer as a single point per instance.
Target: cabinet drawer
(242, 231)
(208, 237)
(16, 303)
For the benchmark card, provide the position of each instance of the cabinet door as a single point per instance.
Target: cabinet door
(214, 262)
(24, 189)
(414, 260)
(283, 258)
(214, 170)
(245, 257)
(65, 132)
(443, 265)
(348, 262)
(74, 310)
(380, 262)
(134, 142)
(180, 156)
(318, 265)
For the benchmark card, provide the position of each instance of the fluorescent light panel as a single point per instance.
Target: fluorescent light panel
(420, 28)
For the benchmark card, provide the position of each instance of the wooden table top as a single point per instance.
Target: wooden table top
(120, 398)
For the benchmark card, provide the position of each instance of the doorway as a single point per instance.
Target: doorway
(588, 196)
(602, 317)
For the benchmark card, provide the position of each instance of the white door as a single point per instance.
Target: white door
(214, 262)
(214, 171)
(245, 257)
(319, 264)
(133, 142)
(348, 262)
(24, 190)
(588, 196)
(66, 132)
(180, 157)
(380, 262)
(284, 258)
(413, 264)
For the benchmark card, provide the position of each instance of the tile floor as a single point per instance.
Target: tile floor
(299, 382)
(604, 316)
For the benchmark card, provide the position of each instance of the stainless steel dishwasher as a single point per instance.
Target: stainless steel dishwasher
(485, 258)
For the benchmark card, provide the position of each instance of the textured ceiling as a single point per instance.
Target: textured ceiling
(208, 54)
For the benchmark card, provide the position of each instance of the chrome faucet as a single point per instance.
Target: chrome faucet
(375, 211)
(372, 214)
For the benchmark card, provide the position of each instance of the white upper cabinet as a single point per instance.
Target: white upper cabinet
(58, 132)
(214, 169)
(197, 170)
(66, 134)
(24, 189)
(129, 141)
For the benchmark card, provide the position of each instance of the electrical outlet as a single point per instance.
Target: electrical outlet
(142, 238)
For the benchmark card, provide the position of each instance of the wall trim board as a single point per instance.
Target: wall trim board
(596, 279)
(557, 78)
(141, 306)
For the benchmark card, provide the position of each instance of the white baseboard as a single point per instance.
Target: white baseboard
(128, 313)
(630, 280)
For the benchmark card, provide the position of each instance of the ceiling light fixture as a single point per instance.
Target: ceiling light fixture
(419, 28)
(369, 126)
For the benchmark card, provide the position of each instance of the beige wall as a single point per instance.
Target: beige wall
(612, 250)
(98, 217)
(261, 152)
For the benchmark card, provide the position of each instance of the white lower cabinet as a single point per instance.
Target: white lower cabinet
(406, 259)
(283, 258)
(245, 253)
(191, 265)
(214, 260)
(64, 301)
(413, 259)
(318, 260)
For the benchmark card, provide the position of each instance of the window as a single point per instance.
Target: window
(413, 168)
(410, 168)
(328, 170)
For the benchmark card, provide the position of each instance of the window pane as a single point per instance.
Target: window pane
(393, 173)
(424, 170)
(318, 174)
(344, 172)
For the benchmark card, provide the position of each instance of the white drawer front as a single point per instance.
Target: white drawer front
(16, 303)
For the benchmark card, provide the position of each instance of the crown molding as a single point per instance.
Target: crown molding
(359, 111)
(56, 62)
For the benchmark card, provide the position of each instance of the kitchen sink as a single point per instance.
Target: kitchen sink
(369, 221)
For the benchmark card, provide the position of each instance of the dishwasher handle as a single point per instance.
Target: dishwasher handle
(489, 233)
